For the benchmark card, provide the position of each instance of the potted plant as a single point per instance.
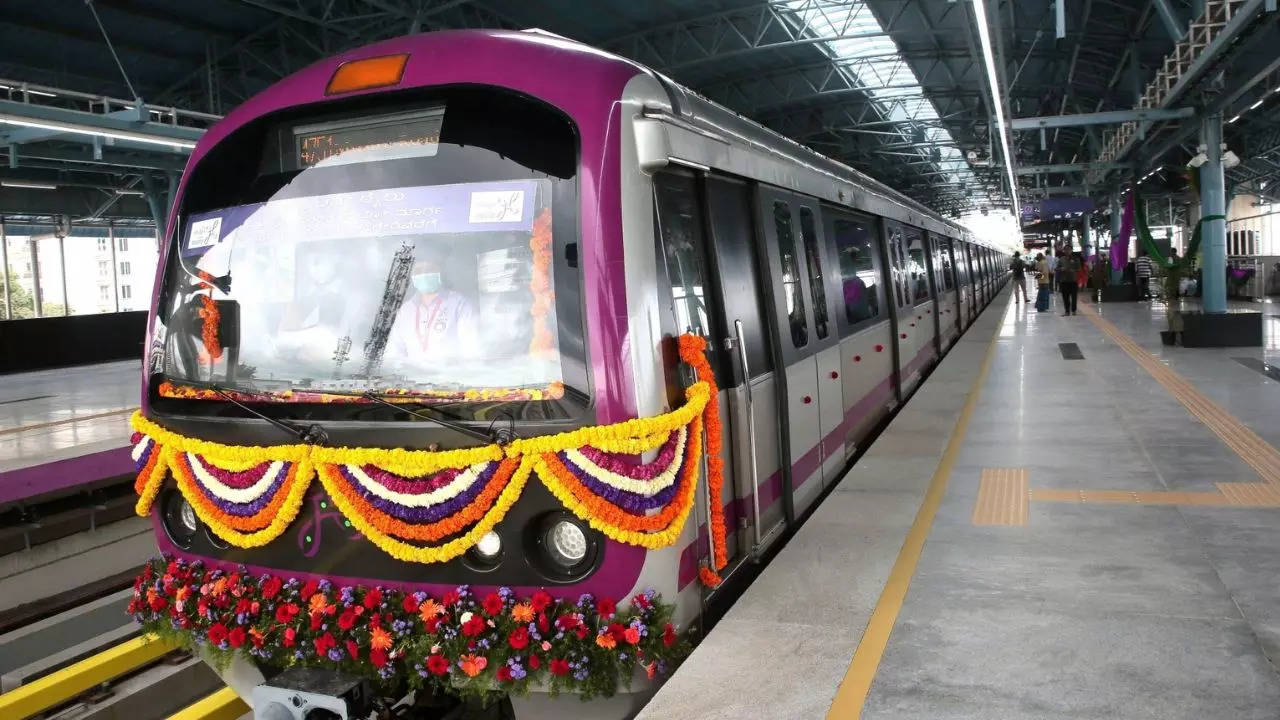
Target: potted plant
(1172, 282)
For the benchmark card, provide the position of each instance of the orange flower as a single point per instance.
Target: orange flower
(379, 639)
(319, 603)
(543, 340)
(606, 641)
(522, 612)
(473, 665)
(209, 328)
(693, 352)
(428, 609)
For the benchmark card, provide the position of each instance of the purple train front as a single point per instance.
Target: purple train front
(458, 239)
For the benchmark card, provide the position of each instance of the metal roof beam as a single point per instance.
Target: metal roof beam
(1099, 118)
(1169, 19)
(1070, 168)
(94, 124)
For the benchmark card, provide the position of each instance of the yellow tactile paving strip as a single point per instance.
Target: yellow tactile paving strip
(1255, 451)
(1002, 497)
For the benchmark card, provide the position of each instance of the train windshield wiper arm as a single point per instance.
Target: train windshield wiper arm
(437, 416)
(311, 434)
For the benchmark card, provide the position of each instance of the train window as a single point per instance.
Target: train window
(680, 230)
(944, 254)
(916, 273)
(790, 274)
(729, 210)
(896, 264)
(810, 234)
(854, 251)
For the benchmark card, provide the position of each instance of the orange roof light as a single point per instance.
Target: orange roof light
(367, 73)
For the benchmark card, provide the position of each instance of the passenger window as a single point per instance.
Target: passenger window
(814, 258)
(898, 266)
(854, 248)
(680, 228)
(916, 268)
(948, 276)
(790, 275)
(733, 235)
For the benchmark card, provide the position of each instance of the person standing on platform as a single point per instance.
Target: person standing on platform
(1019, 269)
(1142, 275)
(1068, 268)
(1053, 266)
(1043, 293)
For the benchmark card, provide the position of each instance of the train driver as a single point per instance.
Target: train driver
(435, 323)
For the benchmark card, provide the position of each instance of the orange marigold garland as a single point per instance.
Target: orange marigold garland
(693, 351)
(209, 327)
(540, 284)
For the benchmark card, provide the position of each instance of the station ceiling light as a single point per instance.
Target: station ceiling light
(997, 107)
(75, 128)
(27, 185)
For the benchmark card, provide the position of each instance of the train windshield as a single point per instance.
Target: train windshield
(408, 253)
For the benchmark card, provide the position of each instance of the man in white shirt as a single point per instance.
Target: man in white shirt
(1052, 260)
(435, 324)
(1142, 270)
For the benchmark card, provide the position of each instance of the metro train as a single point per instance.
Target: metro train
(463, 238)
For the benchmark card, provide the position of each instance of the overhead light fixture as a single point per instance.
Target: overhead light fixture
(29, 91)
(1255, 105)
(28, 185)
(60, 126)
(984, 35)
(1201, 157)
(1230, 159)
(130, 192)
(1237, 117)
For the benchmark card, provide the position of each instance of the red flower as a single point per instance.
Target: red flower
(286, 613)
(567, 621)
(632, 635)
(543, 623)
(157, 602)
(271, 587)
(559, 667)
(492, 604)
(324, 643)
(353, 649)
(582, 632)
(309, 589)
(289, 637)
(410, 604)
(242, 605)
(347, 619)
(473, 627)
(540, 601)
(373, 599)
(504, 674)
(534, 662)
(378, 657)
(450, 598)
(437, 665)
(375, 619)
(519, 638)
(641, 601)
(606, 607)
(316, 621)
(616, 629)
(433, 623)
(236, 637)
(669, 635)
(217, 633)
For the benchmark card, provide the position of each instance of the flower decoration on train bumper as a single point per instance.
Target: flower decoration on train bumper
(463, 642)
(432, 506)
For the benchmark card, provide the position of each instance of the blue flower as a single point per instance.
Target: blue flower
(335, 654)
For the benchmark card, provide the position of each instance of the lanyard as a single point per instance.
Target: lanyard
(436, 304)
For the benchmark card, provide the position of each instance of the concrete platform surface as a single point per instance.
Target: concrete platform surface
(1099, 542)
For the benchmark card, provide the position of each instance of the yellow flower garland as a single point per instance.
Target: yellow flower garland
(635, 436)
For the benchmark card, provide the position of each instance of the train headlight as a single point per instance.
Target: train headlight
(490, 546)
(179, 519)
(566, 543)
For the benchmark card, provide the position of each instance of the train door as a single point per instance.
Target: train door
(920, 326)
(803, 333)
(752, 385)
(692, 292)
(862, 317)
(903, 310)
(975, 280)
(948, 298)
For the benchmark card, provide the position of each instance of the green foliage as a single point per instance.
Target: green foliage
(24, 303)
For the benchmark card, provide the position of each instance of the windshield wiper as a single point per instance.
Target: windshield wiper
(437, 416)
(311, 434)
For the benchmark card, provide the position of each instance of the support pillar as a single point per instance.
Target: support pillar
(1086, 237)
(4, 253)
(1213, 233)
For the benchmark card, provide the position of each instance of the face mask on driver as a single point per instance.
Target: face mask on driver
(427, 282)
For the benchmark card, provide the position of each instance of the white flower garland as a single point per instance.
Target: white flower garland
(230, 494)
(647, 488)
(457, 486)
(141, 447)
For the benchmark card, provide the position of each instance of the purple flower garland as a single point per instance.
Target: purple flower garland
(432, 513)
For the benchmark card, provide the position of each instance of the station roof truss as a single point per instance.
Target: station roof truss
(896, 88)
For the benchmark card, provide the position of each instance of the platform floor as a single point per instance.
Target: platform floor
(1089, 538)
(60, 427)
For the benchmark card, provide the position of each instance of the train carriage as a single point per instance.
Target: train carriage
(463, 239)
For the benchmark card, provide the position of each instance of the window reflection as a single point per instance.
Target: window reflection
(854, 245)
(790, 274)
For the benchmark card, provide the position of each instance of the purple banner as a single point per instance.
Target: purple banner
(423, 210)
